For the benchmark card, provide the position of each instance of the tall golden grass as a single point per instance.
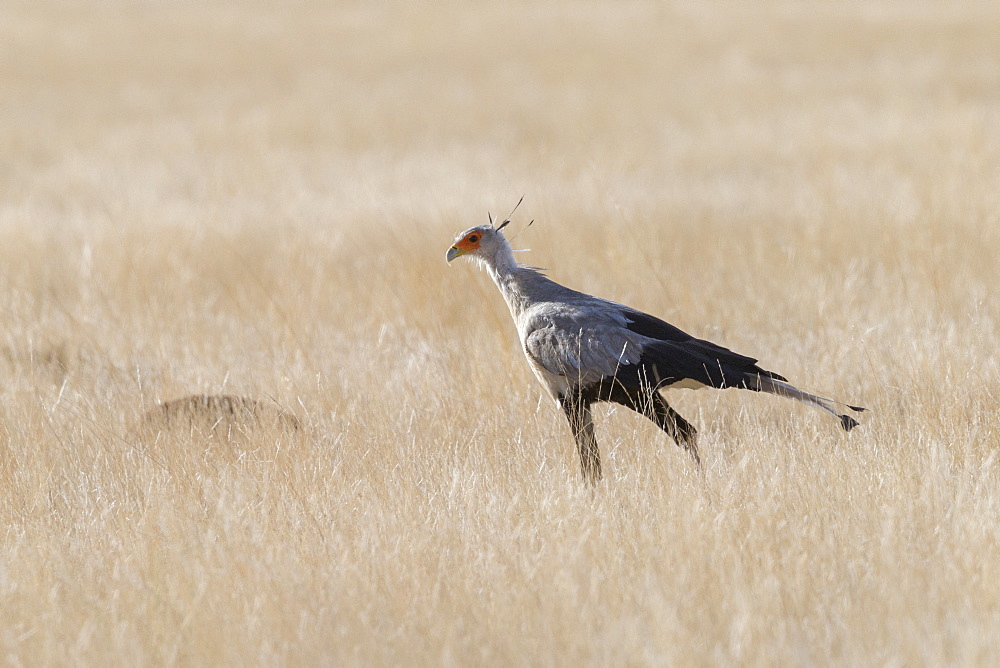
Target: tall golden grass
(255, 199)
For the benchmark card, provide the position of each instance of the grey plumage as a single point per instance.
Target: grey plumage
(585, 349)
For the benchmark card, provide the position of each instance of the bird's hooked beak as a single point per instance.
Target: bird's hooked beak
(467, 243)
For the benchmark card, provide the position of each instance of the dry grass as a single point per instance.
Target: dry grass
(257, 201)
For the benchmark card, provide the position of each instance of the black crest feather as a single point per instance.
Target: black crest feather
(506, 221)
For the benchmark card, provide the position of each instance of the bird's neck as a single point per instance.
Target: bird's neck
(504, 270)
(502, 264)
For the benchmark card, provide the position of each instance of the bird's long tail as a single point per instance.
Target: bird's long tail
(781, 388)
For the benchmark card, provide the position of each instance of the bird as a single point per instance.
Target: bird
(585, 349)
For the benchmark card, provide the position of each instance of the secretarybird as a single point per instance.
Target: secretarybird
(584, 349)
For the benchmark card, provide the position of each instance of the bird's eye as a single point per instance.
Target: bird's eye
(473, 238)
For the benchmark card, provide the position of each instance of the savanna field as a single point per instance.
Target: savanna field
(255, 200)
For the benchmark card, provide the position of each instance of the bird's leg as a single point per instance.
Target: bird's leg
(648, 402)
(577, 411)
(670, 421)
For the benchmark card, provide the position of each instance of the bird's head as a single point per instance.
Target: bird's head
(481, 242)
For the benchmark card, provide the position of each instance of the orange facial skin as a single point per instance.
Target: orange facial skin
(467, 244)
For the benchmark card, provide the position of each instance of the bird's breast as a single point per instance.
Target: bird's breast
(556, 385)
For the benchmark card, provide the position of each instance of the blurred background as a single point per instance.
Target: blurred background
(256, 198)
(698, 151)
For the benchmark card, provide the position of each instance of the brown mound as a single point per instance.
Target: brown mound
(218, 415)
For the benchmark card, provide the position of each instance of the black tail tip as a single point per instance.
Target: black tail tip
(848, 422)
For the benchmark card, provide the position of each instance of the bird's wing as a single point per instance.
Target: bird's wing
(600, 340)
(583, 354)
(678, 354)
(651, 326)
